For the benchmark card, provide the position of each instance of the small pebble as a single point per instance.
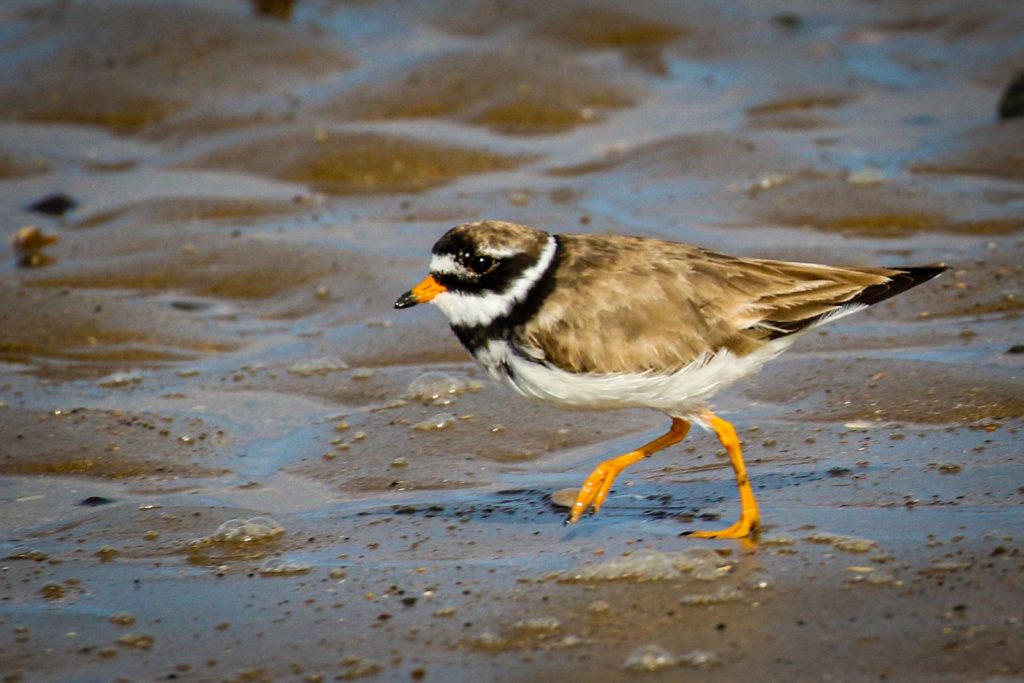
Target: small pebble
(122, 619)
(564, 497)
(436, 423)
(142, 641)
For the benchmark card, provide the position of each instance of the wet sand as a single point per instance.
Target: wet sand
(224, 457)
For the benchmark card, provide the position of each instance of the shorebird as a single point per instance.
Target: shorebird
(610, 321)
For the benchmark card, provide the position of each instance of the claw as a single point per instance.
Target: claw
(598, 485)
(741, 529)
(750, 516)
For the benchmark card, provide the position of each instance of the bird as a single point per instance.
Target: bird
(604, 321)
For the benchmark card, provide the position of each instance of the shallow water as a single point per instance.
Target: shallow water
(211, 338)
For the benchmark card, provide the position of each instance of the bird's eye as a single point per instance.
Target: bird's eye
(479, 264)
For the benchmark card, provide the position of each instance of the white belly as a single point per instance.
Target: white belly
(679, 394)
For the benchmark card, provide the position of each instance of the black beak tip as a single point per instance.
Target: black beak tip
(406, 300)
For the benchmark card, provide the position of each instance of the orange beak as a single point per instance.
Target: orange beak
(421, 293)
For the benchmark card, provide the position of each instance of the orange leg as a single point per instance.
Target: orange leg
(595, 489)
(750, 517)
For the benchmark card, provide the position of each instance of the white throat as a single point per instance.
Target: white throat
(470, 310)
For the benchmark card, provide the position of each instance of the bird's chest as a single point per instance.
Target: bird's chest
(510, 365)
(524, 369)
(496, 357)
(492, 346)
(533, 378)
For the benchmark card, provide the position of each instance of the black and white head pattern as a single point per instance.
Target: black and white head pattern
(490, 271)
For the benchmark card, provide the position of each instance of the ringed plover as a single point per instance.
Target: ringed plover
(609, 321)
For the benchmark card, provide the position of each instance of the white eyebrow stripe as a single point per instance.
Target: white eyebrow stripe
(495, 252)
(446, 264)
(482, 309)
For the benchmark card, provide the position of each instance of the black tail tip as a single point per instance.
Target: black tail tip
(904, 279)
(921, 274)
(912, 276)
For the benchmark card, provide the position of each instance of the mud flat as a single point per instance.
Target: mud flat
(224, 457)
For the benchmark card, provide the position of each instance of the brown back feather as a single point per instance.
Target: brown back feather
(629, 304)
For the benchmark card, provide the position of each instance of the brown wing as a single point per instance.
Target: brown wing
(627, 304)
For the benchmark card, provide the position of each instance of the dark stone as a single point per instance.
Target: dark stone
(185, 305)
(274, 9)
(96, 501)
(1012, 103)
(788, 21)
(56, 204)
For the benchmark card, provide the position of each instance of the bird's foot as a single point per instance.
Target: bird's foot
(747, 525)
(594, 491)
